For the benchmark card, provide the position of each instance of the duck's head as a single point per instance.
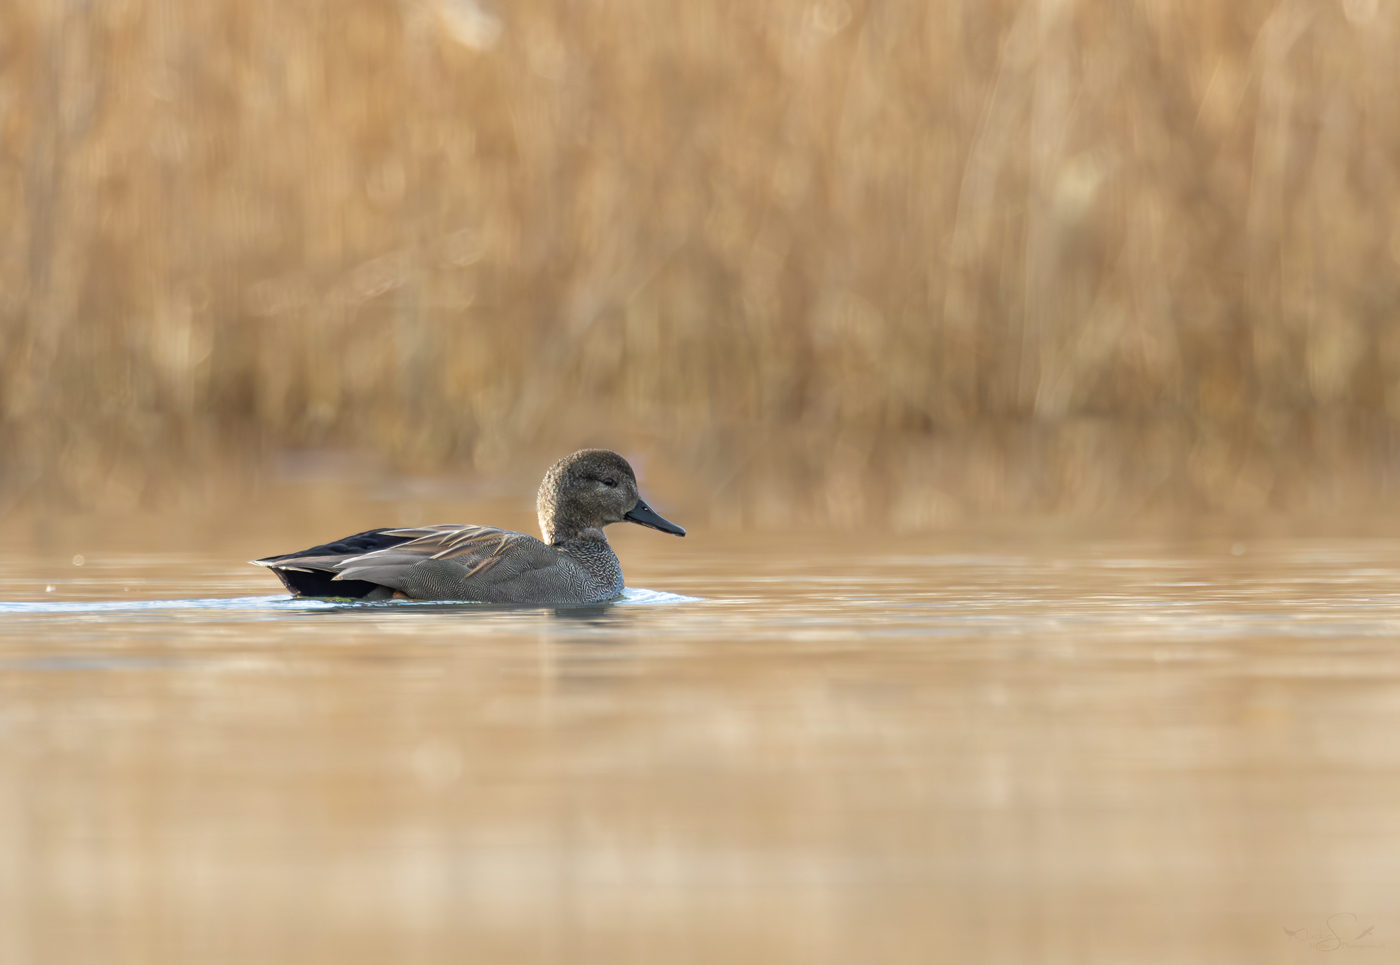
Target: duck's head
(584, 492)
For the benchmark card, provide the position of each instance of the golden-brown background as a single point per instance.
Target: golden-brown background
(892, 263)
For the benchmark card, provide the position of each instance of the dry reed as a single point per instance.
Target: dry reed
(895, 261)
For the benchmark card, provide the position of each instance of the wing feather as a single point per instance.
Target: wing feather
(472, 551)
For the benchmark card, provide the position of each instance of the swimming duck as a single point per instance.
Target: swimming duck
(580, 495)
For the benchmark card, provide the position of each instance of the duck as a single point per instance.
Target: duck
(573, 564)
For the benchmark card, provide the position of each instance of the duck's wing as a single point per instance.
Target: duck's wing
(311, 572)
(367, 542)
(476, 557)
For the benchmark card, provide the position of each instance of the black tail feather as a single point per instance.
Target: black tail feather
(323, 584)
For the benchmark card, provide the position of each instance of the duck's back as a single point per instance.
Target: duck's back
(464, 563)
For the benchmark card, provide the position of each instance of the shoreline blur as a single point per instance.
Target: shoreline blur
(892, 265)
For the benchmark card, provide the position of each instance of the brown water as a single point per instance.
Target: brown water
(980, 749)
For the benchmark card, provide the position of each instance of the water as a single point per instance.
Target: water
(980, 748)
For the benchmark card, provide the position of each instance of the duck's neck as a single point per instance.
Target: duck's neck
(558, 531)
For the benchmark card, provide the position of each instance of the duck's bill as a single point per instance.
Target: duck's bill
(642, 513)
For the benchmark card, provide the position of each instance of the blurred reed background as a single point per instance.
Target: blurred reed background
(890, 263)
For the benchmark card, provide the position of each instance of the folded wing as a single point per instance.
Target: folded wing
(427, 562)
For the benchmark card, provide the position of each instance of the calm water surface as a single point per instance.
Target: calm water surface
(917, 750)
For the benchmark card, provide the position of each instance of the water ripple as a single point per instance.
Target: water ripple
(631, 596)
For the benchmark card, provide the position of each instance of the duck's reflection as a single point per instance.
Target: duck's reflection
(593, 614)
(589, 615)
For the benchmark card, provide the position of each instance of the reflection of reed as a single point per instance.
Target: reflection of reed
(1027, 256)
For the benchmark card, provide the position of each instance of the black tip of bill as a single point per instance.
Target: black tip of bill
(644, 514)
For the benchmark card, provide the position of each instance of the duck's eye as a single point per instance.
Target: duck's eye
(610, 482)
